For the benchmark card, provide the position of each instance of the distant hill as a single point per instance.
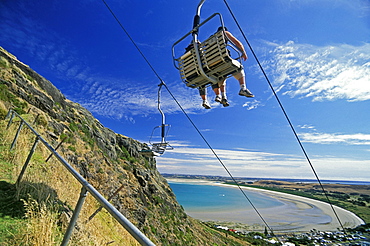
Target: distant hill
(39, 207)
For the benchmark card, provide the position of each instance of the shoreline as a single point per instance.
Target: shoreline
(298, 214)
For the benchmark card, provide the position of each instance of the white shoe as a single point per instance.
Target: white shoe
(206, 104)
(224, 102)
(246, 93)
(218, 98)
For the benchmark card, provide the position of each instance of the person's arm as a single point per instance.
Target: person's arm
(238, 44)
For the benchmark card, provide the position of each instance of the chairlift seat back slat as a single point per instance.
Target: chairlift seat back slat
(215, 59)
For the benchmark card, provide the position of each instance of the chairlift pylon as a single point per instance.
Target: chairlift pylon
(158, 148)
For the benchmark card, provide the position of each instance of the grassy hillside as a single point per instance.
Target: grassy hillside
(38, 209)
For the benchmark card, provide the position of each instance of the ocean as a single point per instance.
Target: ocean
(214, 202)
(195, 197)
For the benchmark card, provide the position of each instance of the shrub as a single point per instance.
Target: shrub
(4, 63)
(3, 111)
(41, 120)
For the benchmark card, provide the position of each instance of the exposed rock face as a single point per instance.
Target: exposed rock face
(106, 159)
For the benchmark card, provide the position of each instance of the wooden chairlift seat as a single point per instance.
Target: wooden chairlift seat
(157, 149)
(215, 59)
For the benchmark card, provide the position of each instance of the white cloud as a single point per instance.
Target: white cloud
(326, 138)
(322, 73)
(248, 163)
(252, 104)
(306, 127)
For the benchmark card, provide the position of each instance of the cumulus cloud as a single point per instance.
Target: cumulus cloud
(322, 73)
(330, 138)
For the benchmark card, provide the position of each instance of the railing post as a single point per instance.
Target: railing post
(37, 116)
(74, 218)
(27, 161)
(47, 159)
(8, 114)
(11, 118)
(16, 135)
(109, 198)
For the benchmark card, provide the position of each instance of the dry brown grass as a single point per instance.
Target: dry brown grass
(47, 185)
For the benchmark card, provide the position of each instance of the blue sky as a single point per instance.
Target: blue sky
(315, 53)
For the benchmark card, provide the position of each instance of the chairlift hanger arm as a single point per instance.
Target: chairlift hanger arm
(163, 116)
(195, 45)
(197, 15)
(195, 29)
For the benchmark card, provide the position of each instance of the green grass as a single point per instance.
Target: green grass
(5, 167)
(4, 63)
(6, 96)
(9, 227)
(11, 213)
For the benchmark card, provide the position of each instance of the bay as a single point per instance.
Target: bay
(209, 201)
(202, 197)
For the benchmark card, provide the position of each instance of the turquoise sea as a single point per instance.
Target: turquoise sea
(196, 197)
(210, 202)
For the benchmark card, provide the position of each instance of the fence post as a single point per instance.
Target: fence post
(37, 116)
(47, 159)
(109, 198)
(27, 161)
(74, 218)
(11, 118)
(8, 114)
(16, 135)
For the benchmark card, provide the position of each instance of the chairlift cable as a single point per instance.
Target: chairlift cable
(285, 114)
(182, 109)
(218, 158)
(133, 42)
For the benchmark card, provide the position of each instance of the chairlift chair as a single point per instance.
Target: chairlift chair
(208, 62)
(158, 148)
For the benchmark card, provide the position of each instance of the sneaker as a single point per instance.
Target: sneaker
(206, 104)
(246, 93)
(218, 98)
(224, 102)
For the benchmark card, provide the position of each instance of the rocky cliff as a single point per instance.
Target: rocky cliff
(106, 159)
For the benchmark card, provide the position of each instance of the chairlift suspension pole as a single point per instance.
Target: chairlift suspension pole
(195, 43)
(160, 110)
(197, 16)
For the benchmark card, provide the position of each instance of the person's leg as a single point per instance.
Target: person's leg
(240, 76)
(216, 90)
(224, 101)
(203, 95)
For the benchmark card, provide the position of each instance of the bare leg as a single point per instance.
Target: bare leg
(243, 88)
(224, 101)
(203, 95)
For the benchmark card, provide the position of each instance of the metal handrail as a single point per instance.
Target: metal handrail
(86, 187)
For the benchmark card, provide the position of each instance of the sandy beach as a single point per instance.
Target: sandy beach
(296, 214)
